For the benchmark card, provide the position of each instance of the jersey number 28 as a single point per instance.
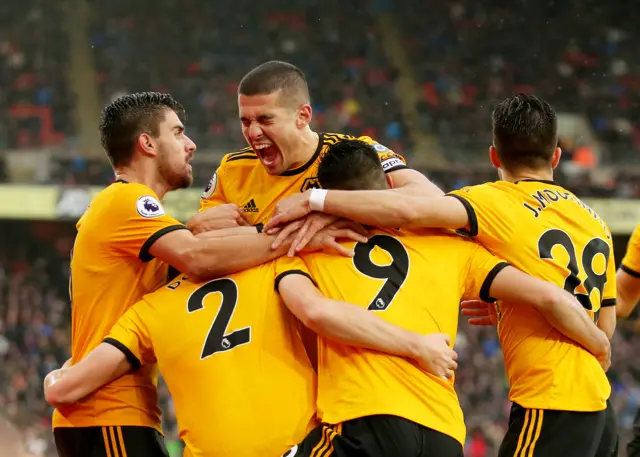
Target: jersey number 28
(593, 280)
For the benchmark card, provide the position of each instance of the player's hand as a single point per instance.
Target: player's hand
(287, 210)
(479, 312)
(436, 356)
(219, 217)
(604, 355)
(327, 239)
(311, 225)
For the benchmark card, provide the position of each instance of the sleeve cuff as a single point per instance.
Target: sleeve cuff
(144, 250)
(608, 302)
(629, 271)
(471, 214)
(292, 272)
(486, 285)
(131, 358)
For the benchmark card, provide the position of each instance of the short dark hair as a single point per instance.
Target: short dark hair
(276, 76)
(351, 165)
(525, 132)
(124, 119)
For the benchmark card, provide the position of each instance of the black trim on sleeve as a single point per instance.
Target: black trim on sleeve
(629, 271)
(291, 272)
(471, 214)
(132, 359)
(608, 302)
(486, 285)
(144, 250)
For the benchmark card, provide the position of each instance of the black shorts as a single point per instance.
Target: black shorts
(109, 442)
(609, 443)
(376, 436)
(550, 433)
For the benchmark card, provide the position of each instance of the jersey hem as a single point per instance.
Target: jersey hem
(131, 358)
(471, 214)
(144, 250)
(486, 285)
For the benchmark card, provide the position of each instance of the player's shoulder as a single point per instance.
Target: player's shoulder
(332, 138)
(246, 156)
(126, 197)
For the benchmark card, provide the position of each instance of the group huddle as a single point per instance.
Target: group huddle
(310, 307)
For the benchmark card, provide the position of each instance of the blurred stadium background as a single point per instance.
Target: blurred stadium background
(419, 76)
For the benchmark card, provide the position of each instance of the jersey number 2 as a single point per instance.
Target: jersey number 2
(394, 274)
(217, 340)
(556, 237)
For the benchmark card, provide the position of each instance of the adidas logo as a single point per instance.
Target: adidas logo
(250, 207)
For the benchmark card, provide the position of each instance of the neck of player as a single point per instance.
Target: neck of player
(531, 175)
(149, 177)
(305, 149)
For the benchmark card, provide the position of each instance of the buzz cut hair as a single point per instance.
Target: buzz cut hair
(277, 76)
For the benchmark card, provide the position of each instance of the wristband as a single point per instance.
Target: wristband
(316, 199)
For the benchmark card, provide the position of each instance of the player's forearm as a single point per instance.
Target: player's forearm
(222, 256)
(351, 325)
(382, 208)
(566, 315)
(232, 231)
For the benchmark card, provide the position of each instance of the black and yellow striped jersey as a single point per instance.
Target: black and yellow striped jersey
(241, 178)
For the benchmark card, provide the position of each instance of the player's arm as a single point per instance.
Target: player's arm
(206, 257)
(70, 384)
(405, 180)
(349, 324)
(382, 208)
(628, 277)
(628, 284)
(561, 309)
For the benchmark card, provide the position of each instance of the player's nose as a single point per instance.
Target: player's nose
(189, 144)
(254, 132)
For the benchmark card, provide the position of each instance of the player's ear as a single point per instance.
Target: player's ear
(304, 116)
(147, 145)
(389, 180)
(555, 158)
(493, 156)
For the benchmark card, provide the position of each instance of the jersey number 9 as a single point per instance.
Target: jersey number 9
(394, 274)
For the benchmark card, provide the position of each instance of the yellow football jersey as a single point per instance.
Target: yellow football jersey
(111, 269)
(411, 279)
(631, 260)
(241, 178)
(546, 231)
(232, 358)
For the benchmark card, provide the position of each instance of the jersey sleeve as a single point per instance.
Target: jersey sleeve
(131, 335)
(138, 221)
(390, 160)
(213, 194)
(290, 265)
(482, 269)
(631, 260)
(487, 219)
